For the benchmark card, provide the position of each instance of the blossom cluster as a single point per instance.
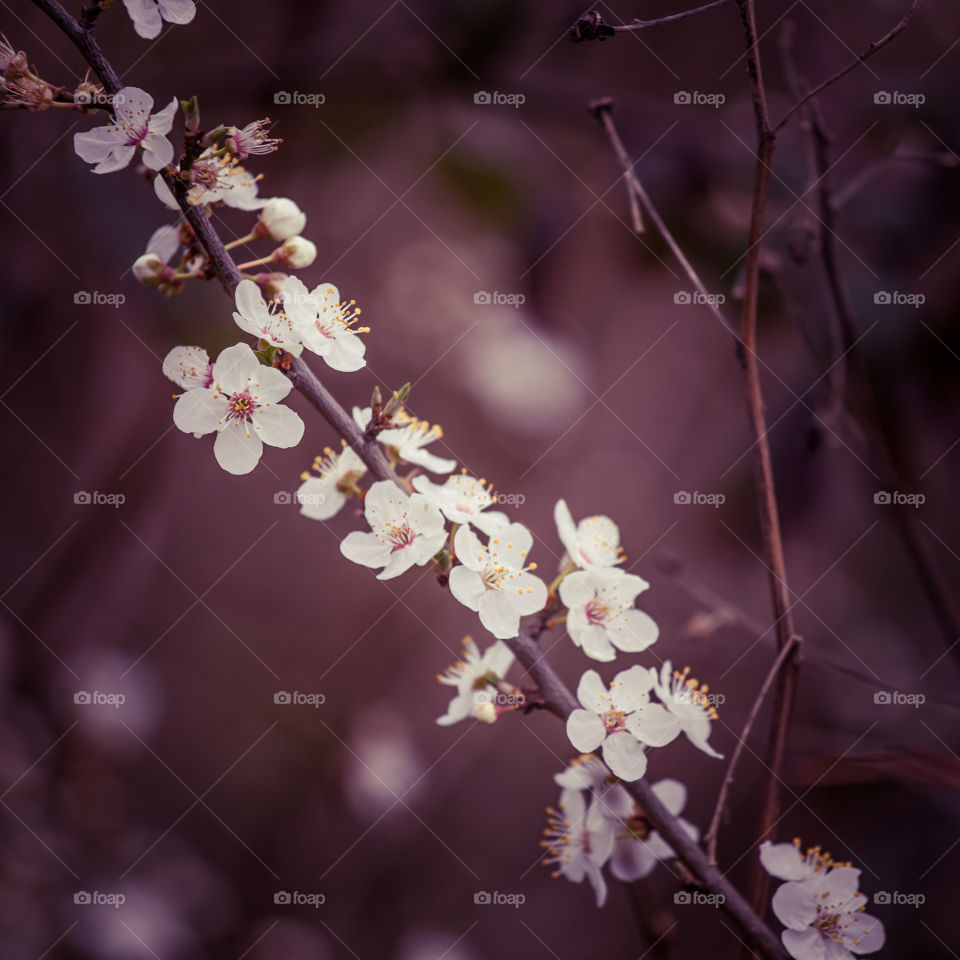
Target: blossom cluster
(819, 904)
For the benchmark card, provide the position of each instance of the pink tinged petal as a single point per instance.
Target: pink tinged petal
(180, 12)
(237, 448)
(783, 860)
(631, 860)
(318, 499)
(164, 193)
(469, 550)
(601, 834)
(592, 639)
(186, 366)
(634, 632)
(867, 931)
(591, 693)
(624, 756)
(199, 412)
(672, 794)
(795, 905)
(157, 151)
(133, 104)
(118, 160)
(653, 725)
(804, 945)
(595, 876)
(164, 242)
(466, 586)
(566, 529)
(236, 368)
(430, 461)
(840, 882)
(145, 16)
(278, 426)
(499, 614)
(365, 548)
(96, 145)
(162, 121)
(585, 730)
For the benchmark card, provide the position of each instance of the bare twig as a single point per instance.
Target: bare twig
(643, 24)
(869, 52)
(762, 461)
(710, 837)
(602, 110)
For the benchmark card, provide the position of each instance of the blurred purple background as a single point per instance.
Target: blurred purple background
(200, 596)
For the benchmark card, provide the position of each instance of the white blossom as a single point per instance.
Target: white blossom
(242, 405)
(268, 322)
(148, 15)
(463, 499)
(296, 253)
(594, 542)
(601, 617)
(621, 719)
(188, 367)
(321, 497)
(687, 701)
(408, 438)
(493, 579)
(280, 219)
(133, 125)
(473, 677)
(325, 324)
(405, 530)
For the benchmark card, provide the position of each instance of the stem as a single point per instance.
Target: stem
(869, 52)
(643, 24)
(710, 837)
(762, 462)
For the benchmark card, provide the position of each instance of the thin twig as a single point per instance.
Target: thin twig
(762, 461)
(710, 837)
(602, 110)
(869, 52)
(643, 24)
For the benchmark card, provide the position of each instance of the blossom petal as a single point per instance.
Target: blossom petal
(466, 586)
(499, 614)
(237, 448)
(591, 692)
(804, 945)
(585, 730)
(632, 859)
(278, 425)
(157, 151)
(636, 631)
(365, 548)
(469, 550)
(624, 756)
(236, 368)
(784, 861)
(198, 412)
(795, 905)
(180, 12)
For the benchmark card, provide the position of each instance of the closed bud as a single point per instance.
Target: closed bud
(281, 219)
(270, 284)
(149, 269)
(297, 252)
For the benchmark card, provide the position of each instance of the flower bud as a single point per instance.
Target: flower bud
(149, 269)
(486, 713)
(281, 219)
(297, 252)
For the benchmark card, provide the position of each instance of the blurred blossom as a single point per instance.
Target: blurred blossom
(423, 944)
(384, 764)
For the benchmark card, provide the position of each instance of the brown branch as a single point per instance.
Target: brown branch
(762, 462)
(710, 837)
(869, 52)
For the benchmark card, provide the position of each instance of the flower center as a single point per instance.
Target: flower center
(401, 535)
(241, 406)
(597, 611)
(613, 720)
